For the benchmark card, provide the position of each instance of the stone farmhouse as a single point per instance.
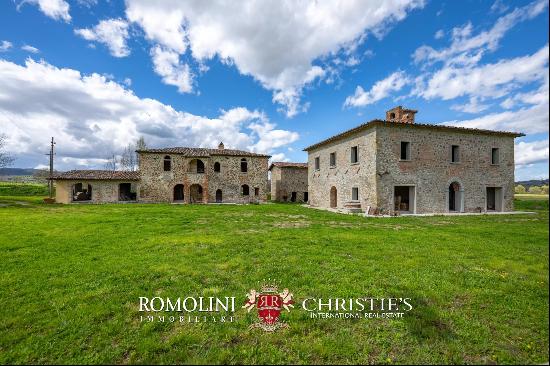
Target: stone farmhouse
(179, 175)
(397, 166)
(289, 182)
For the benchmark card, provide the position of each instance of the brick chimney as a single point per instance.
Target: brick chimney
(220, 146)
(401, 115)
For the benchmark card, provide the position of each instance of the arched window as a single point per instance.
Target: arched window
(167, 163)
(244, 165)
(392, 115)
(200, 166)
(245, 190)
(217, 167)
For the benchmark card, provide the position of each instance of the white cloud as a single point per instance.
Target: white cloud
(55, 9)
(92, 116)
(490, 80)
(531, 152)
(111, 32)
(5, 45)
(466, 48)
(439, 34)
(473, 106)
(167, 64)
(380, 90)
(30, 49)
(280, 44)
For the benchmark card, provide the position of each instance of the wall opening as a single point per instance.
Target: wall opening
(245, 190)
(196, 166)
(455, 197)
(219, 196)
(178, 193)
(195, 193)
(126, 192)
(167, 163)
(333, 197)
(306, 198)
(217, 167)
(244, 165)
(404, 199)
(81, 193)
(494, 199)
(293, 197)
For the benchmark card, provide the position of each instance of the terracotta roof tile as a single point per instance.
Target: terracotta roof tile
(97, 175)
(200, 152)
(375, 122)
(284, 164)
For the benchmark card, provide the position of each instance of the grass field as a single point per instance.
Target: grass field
(72, 276)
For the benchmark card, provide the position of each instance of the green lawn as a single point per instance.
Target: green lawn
(72, 276)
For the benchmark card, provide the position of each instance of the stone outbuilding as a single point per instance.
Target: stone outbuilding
(398, 166)
(177, 174)
(96, 186)
(289, 182)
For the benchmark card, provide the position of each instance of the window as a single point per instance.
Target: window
(392, 115)
(217, 167)
(256, 191)
(167, 163)
(405, 150)
(245, 190)
(354, 155)
(495, 158)
(200, 166)
(244, 165)
(355, 194)
(455, 154)
(333, 159)
(317, 163)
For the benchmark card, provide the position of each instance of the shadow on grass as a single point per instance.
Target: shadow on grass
(425, 322)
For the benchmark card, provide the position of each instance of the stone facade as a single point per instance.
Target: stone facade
(408, 167)
(289, 182)
(158, 185)
(183, 175)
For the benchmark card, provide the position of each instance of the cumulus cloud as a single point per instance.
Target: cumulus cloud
(5, 45)
(91, 116)
(280, 44)
(531, 152)
(380, 90)
(30, 49)
(173, 72)
(467, 48)
(111, 32)
(55, 9)
(489, 80)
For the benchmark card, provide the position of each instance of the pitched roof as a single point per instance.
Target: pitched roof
(378, 122)
(284, 164)
(200, 152)
(97, 175)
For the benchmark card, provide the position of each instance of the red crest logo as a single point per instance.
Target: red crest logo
(270, 303)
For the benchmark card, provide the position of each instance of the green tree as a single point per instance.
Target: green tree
(535, 190)
(520, 189)
(544, 189)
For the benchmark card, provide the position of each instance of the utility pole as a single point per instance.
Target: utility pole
(50, 180)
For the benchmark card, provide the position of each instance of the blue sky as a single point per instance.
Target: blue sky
(270, 77)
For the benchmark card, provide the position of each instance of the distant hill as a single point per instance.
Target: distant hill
(18, 171)
(533, 182)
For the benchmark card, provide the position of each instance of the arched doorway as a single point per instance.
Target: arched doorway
(455, 197)
(219, 196)
(195, 193)
(178, 193)
(333, 197)
(81, 193)
(196, 166)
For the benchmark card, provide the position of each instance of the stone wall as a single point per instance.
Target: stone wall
(285, 180)
(345, 175)
(431, 171)
(158, 185)
(103, 191)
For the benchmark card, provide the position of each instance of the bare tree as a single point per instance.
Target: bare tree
(5, 158)
(128, 160)
(112, 163)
